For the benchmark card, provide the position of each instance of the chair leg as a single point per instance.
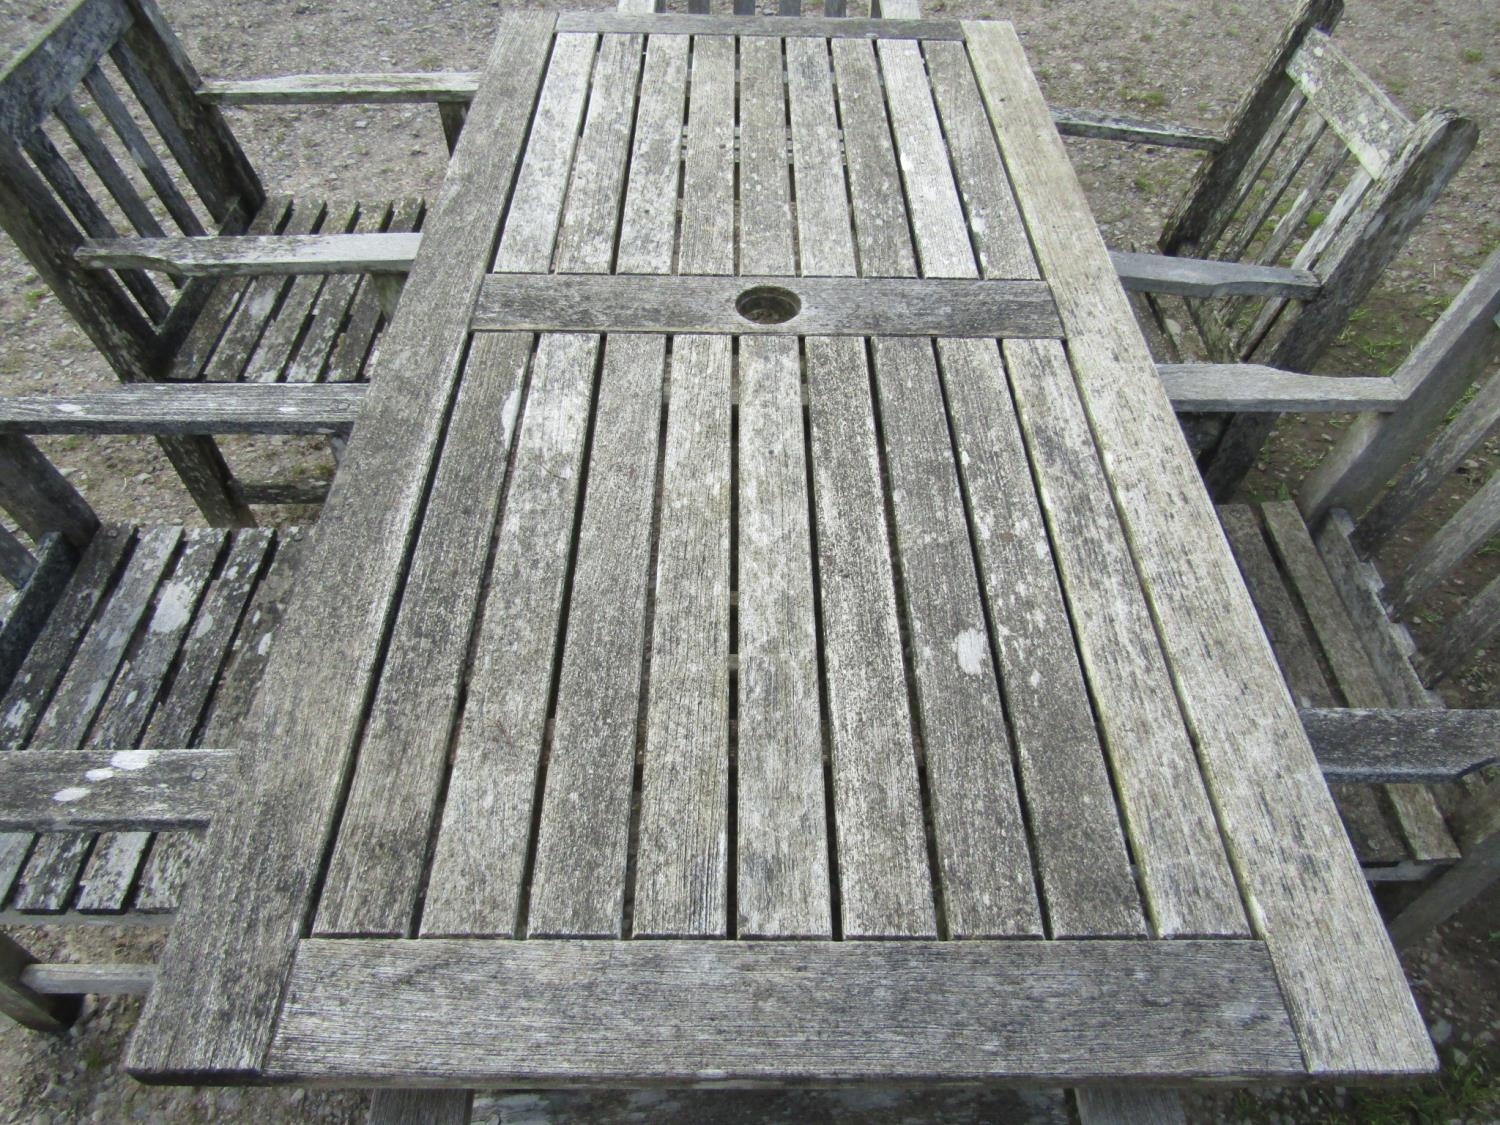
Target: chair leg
(27, 1007)
(453, 115)
(420, 1107)
(1234, 456)
(1449, 892)
(207, 478)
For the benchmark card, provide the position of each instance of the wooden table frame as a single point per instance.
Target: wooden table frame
(1257, 953)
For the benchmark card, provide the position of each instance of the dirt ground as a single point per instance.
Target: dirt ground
(1182, 60)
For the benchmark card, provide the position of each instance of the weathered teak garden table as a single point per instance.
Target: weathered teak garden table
(768, 579)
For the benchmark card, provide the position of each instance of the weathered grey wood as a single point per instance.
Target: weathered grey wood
(830, 306)
(884, 879)
(1187, 882)
(1082, 864)
(1360, 112)
(268, 363)
(372, 877)
(579, 881)
(1438, 371)
(938, 226)
(106, 879)
(1467, 530)
(1198, 277)
(541, 188)
(32, 605)
(1118, 1105)
(165, 872)
(323, 328)
(1421, 823)
(1374, 840)
(1185, 231)
(344, 89)
(266, 849)
(1228, 387)
(648, 227)
(256, 307)
(994, 223)
(592, 215)
(202, 338)
(118, 115)
(881, 226)
(28, 693)
(782, 884)
(1117, 127)
(100, 790)
(1290, 165)
(56, 62)
(1463, 636)
(682, 863)
(706, 245)
(825, 240)
(814, 27)
(984, 863)
(691, 1012)
(420, 1107)
(39, 498)
(190, 409)
(91, 672)
(1357, 249)
(22, 1002)
(766, 245)
(348, 361)
(1471, 876)
(1353, 1012)
(1422, 745)
(17, 563)
(1359, 587)
(93, 149)
(476, 880)
(76, 979)
(124, 712)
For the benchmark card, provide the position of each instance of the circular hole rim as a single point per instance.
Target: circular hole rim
(768, 304)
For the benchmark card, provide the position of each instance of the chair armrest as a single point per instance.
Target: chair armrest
(1113, 127)
(1198, 277)
(1424, 745)
(1208, 388)
(113, 790)
(247, 255)
(343, 89)
(189, 408)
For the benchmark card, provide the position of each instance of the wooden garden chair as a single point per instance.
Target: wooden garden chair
(104, 132)
(1290, 220)
(1338, 575)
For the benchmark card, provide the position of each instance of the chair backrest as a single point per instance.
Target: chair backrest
(1320, 171)
(102, 134)
(1418, 492)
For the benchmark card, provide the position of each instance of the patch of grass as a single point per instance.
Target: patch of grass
(1471, 55)
(1143, 184)
(34, 297)
(1464, 1091)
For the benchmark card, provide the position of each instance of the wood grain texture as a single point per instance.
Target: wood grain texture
(420, 1107)
(706, 243)
(825, 239)
(881, 227)
(194, 409)
(549, 1013)
(1230, 387)
(343, 89)
(1417, 745)
(783, 887)
(994, 223)
(814, 27)
(1200, 277)
(267, 849)
(475, 883)
(1180, 862)
(373, 876)
(938, 225)
(1360, 112)
(1120, 1105)
(984, 864)
(884, 879)
(101, 790)
(578, 886)
(23, 1003)
(1082, 862)
(830, 306)
(249, 255)
(648, 227)
(766, 245)
(1352, 1010)
(681, 883)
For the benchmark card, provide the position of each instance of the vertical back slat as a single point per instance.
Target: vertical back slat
(112, 105)
(110, 174)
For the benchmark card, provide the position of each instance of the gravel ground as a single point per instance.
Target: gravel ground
(1185, 60)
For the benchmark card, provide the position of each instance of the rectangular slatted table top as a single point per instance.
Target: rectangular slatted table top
(768, 627)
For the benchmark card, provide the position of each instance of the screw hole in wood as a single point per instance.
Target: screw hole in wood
(768, 304)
